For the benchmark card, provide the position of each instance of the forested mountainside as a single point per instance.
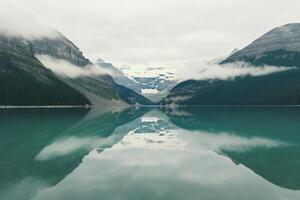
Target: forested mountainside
(279, 47)
(99, 89)
(25, 81)
(281, 88)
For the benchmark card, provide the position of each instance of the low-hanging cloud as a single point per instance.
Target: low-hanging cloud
(204, 72)
(223, 72)
(154, 33)
(17, 22)
(67, 69)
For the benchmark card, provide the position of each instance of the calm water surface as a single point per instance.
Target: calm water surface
(232, 153)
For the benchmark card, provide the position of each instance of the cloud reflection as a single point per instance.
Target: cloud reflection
(168, 163)
(202, 140)
(65, 146)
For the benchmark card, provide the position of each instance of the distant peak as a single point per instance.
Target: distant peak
(291, 24)
(234, 51)
(99, 61)
(291, 27)
(281, 40)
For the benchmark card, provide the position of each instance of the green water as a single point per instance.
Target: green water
(150, 153)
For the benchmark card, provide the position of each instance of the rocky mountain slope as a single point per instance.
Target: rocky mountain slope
(60, 47)
(25, 81)
(101, 89)
(118, 76)
(278, 47)
(154, 83)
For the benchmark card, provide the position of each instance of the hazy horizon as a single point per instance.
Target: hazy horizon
(151, 33)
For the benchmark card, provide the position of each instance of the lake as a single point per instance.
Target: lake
(232, 153)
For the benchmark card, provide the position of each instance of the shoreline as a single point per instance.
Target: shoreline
(12, 107)
(157, 106)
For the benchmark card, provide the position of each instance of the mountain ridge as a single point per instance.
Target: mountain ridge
(100, 89)
(278, 47)
(60, 47)
(25, 81)
(19, 53)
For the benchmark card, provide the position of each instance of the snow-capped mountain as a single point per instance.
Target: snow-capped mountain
(155, 82)
(278, 47)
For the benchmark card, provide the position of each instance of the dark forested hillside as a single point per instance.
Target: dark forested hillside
(99, 89)
(282, 88)
(25, 81)
(131, 97)
(278, 47)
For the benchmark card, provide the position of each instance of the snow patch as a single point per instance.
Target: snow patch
(150, 91)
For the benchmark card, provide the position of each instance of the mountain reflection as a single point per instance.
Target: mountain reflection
(150, 153)
(279, 124)
(41, 146)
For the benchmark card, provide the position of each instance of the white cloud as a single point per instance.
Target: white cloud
(220, 142)
(168, 173)
(159, 33)
(206, 71)
(65, 68)
(66, 146)
(16, 21)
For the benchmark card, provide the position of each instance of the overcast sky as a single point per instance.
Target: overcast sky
(152, 32)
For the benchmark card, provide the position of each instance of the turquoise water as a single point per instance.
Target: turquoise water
(150, 153)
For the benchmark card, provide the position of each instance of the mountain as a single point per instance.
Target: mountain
(281, 88)
(155, 82)
(101, 89)
(60, 47)
(156, 88)
(221, 59)
(131, 97)
(118, 76)
(278, 47)
(25, 81)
